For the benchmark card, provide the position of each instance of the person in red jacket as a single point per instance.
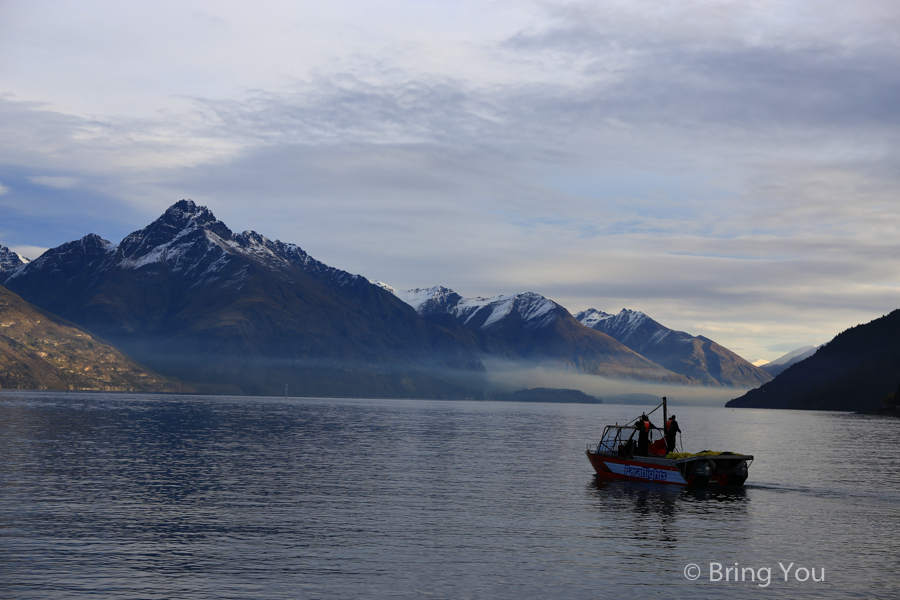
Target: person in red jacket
(643, 428)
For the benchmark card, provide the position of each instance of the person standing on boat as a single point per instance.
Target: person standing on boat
(643, 427)
(672, 430)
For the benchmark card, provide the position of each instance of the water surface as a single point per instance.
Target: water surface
(135, 496)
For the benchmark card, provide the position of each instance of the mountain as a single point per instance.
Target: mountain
(696, 357)
(239, 313)
(783, 362)
(10, 260)
(39, 350)
(529, 327)
(854, 371)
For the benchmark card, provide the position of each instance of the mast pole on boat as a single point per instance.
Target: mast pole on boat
(665, 415)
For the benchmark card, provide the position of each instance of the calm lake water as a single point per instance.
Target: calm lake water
(119, 496)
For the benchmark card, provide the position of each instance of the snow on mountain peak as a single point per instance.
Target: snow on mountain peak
(428, 301)
(90, 249)
(592, 316)
(628, 325)
(186, 210)
(10, 260)
(794, 356)
(187, 239)
(626, 318)
(631, 319)
(383, 286)
(172, 236)
(478, 312)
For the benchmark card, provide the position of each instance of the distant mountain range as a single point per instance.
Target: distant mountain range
(529, 327)
(696, 357)
(854, 371)
(239, 313)
(41, 351)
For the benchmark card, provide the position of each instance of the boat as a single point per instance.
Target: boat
(615, 456)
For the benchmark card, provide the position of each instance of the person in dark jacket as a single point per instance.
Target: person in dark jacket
(643, 428)
(672, 430)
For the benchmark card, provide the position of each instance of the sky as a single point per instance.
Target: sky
(729, 168)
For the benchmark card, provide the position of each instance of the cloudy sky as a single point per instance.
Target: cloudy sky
(729, 168)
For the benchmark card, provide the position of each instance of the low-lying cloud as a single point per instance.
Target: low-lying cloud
(508, 376)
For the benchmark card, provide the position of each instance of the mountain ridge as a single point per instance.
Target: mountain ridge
(533, 328)
(697, 357)
(240, 313)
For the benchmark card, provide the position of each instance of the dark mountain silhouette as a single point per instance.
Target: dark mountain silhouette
(240, 313)
(854, 371)
(696, 357)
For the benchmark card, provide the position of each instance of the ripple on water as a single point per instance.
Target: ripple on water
(116, 496)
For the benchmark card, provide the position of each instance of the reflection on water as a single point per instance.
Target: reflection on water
(652, 510)
(113, 496)
(640, 497)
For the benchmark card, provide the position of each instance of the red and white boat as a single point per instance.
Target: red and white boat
(614, 458)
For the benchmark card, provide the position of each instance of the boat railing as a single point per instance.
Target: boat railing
(615, 436)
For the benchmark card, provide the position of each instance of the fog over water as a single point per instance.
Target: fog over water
(511, 376)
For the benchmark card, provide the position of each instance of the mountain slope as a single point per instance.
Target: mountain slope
(41, 351)
(693, 356)
(240, 313)
(783, 362)
(532, 328)
(854, 371)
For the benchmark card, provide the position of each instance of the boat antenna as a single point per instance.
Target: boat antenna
(648, 414)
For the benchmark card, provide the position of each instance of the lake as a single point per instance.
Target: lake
(162, 497)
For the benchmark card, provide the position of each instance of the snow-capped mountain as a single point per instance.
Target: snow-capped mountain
(694, 356)
(528, 326)
(783, 362)
(10, 260)
(243, 313)
(188, 241)
(631, 327)
(532, 310)
(427, 301)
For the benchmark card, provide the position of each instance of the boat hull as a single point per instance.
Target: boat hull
(699, 471)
